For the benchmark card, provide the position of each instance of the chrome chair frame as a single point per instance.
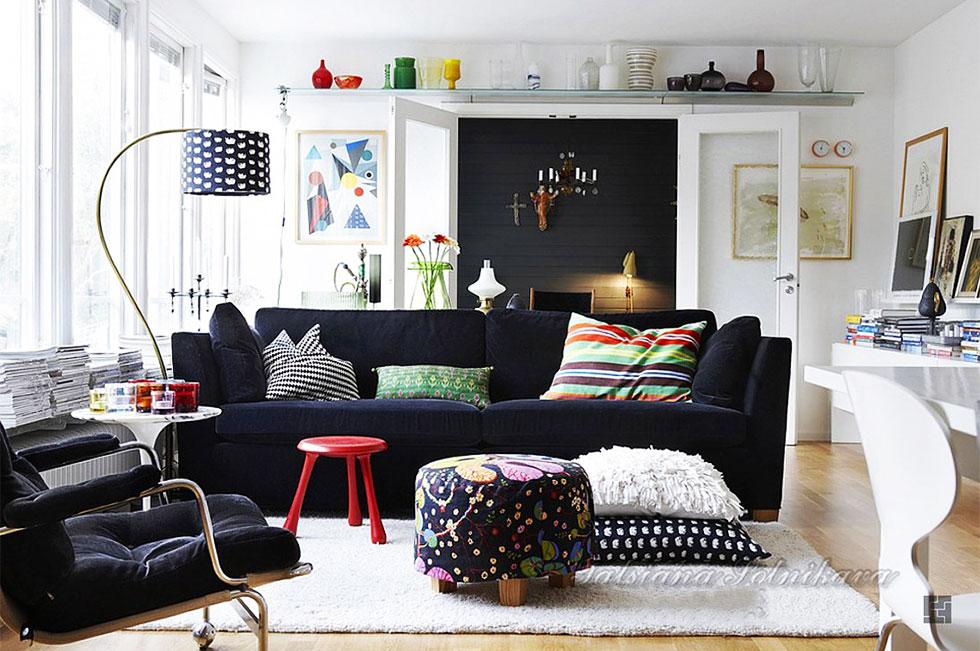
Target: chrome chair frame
(239, 588)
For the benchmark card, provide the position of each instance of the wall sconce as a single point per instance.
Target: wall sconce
(565, 181)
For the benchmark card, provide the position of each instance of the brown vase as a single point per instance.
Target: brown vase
(761, 80)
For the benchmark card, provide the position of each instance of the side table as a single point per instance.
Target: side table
(147, 427)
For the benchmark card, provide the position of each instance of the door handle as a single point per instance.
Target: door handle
(786, 277)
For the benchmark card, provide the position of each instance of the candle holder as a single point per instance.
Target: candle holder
(199, 298)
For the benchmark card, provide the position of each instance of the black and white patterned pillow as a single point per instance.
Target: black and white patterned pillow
(655, 540)
(305, 371)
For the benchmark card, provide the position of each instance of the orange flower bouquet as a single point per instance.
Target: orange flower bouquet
(431, 266)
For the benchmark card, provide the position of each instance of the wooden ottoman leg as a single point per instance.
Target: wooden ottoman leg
(377, 529)
(353, 502)
(292, 520)
(512, 592)
(556, 580)
(443, 587)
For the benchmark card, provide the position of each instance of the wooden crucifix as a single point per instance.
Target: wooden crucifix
(516, 207)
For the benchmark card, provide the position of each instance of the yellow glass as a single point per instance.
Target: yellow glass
(451, 72)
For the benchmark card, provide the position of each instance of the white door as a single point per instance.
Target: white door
(738, 215)
(424, 146)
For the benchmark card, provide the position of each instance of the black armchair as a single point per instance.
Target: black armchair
(71, 571)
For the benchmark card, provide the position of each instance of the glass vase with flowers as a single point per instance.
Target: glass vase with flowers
(431, 266)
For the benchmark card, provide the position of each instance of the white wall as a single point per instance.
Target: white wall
(937, 85)
(198, 27)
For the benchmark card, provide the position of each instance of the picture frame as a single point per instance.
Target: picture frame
(968, 286)
(340, 186)
(954, 233)
(826, 211)
(924, 174)
(912, 258)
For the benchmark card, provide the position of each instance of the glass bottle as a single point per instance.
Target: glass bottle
(588, 75)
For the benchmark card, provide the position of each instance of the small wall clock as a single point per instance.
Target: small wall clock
(820, 148)
(843, 148)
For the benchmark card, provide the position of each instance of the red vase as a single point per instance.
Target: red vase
(322, 77)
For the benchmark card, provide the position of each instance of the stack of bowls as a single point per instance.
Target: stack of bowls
(640, 61)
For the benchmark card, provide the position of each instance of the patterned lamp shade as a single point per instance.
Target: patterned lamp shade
(231, 163)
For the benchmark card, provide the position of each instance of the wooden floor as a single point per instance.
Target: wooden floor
(827, 499)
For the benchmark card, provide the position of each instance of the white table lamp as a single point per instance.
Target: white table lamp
(486, 287)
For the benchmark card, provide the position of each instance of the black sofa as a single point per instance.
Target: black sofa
(251, 448)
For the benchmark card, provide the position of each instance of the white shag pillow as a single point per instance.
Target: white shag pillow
(638, 481)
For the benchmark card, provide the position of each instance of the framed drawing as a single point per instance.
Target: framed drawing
(954, 232)
(826, 211)
(340, 180)
(912, 260)
(924, 175)
(969, 285)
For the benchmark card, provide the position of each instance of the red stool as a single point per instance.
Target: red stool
(349, 448)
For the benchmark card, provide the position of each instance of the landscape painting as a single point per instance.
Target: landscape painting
(826, 205)
(340, 187)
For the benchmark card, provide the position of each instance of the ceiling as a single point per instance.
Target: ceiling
(663, 22)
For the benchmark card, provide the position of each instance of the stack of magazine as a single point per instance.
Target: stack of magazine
(25, 387)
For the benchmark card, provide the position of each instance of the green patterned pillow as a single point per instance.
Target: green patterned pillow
(470, 385)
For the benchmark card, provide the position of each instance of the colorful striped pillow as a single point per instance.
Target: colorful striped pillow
(617, 362)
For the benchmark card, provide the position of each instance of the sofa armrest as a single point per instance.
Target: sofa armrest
(194, 362)
(52, 455)
(766, 402)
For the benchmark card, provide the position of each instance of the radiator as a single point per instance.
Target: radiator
(86, 470)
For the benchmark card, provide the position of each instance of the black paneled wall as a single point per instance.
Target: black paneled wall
(587, 238)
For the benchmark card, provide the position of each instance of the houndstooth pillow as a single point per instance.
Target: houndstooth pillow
(305, 371)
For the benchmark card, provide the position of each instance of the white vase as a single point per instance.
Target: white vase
(610, 77)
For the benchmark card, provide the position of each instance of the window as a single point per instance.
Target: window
(97, 96)
(215, 211)
(16, 124)
(165, 207)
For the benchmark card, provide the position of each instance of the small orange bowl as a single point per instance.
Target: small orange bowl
(348, 81)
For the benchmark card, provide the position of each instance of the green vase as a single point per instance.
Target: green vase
(431, 289)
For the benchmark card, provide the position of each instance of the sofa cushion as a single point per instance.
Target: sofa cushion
(305, 371)
(373, 338)
(594, 424)
(237, 355)
(525, 347)
(399, 422)
(724, 363)
(608, 361)
(128, 563)
(469, 385)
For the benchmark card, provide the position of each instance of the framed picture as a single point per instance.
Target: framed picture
(826, 211)
(969, 284)
(340, 180)
(924, 174)
(912, 261)
(953, 235)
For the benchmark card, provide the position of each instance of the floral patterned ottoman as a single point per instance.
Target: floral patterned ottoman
(505, 518)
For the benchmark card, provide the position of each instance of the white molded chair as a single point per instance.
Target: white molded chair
(915, 482)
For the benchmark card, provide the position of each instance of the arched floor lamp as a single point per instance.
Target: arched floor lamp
(213, 162)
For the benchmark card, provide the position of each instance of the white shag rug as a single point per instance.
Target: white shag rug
(359, 587)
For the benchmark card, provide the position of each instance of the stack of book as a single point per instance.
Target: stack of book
(942, 345)
(866, 332)
(970, 344)
(25, 387)
(69, 371)
(902, 330)
(852, 327)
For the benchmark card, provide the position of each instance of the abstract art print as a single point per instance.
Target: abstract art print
(923, 174)
(826, 206)
(953, 235)
(340, 180)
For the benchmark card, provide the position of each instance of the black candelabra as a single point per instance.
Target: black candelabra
(200, 299)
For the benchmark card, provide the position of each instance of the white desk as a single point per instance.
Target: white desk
(953, 391)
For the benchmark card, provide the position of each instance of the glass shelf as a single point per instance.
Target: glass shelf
(552, 95)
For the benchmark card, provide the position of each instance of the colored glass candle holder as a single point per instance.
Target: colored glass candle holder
(405, 72)
(185, 395)
(451, 72)
(97, 401)
(161, 401)
(120, 397)
(143, 399)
